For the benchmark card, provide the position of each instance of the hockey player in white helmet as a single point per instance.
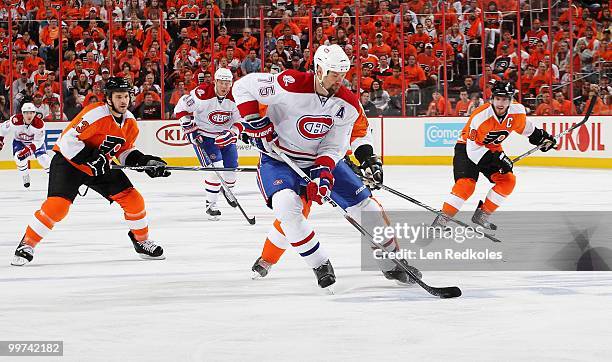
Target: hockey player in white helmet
(211, 121)
(310, 118)
(28, 130)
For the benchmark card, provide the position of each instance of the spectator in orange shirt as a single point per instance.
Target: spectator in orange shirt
(328, 29)
(286, 20)
(414, 73)
(488, 76)
(545, 108)
(540, 78)
(367, 58)
(438, 106)
(379, 47)
(193, 31)
(419, 39)
(32, 60)
(223, 38)
(428, 62)
(393, 83)
(131, 59)
(563, 106)
(461, 108)
(47, 37)
(366, 79)
(248, 42)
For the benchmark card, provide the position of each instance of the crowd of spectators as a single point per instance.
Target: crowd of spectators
(441, 65)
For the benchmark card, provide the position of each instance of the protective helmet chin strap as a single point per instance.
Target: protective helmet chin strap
(320, 81)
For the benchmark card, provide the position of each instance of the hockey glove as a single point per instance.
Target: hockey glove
(371, 164)
(1, 142)
(541, 138)
(229, 136)
(98, 164)
(497, 161)
(137, 158)
(191, 130)
(322, 180)
(26, 152)
(259, 128)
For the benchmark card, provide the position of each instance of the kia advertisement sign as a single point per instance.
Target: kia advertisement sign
(172, 135)
(442, 134)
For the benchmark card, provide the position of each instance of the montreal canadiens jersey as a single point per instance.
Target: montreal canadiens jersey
(212, 114)
(34, 133)
(484, 131)
(308, 125)
(95, 127)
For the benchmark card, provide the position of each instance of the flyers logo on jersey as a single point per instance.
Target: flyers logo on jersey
(314, 127)
(219, 117)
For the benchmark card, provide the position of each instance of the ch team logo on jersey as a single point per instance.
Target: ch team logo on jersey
(314, 127)
(219, 117)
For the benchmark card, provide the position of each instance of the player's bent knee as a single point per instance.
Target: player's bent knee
(130, 200)
(504, 183)
(56, 208)
(287, 206)
(464, 188)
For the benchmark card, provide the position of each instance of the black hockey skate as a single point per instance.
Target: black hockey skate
(23, 254)
(212, 211)
(147, 249)
(481, 218)
(261, 268)
(325, 274)
(26, 181)
(441, 221)
(230, 202)
(400, 276)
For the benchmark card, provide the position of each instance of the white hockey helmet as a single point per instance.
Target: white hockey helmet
(224, 74)
(28, 107)
(331, 58)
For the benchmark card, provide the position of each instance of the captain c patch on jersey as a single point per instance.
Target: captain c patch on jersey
(314, 127)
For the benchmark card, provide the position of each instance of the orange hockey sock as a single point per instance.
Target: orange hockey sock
(134, 211)
(504, 185)
(462, 190)
(52, 211)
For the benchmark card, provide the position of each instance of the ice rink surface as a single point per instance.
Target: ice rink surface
(87, 287)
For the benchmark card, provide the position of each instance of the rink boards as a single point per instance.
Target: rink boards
(401, 141)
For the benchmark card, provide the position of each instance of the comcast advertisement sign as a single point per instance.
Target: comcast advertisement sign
(442, 134)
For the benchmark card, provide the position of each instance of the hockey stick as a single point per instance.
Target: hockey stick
(185, 168)
(429, 208)
(228, 192)
(445, 292)
(558, 136)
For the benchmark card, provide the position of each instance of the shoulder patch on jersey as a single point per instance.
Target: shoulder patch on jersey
(295, 81)
(38, 122)
(349, 97)
(204, 91)
(17, 119)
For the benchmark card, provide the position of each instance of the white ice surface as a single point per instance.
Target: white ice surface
(87, 287)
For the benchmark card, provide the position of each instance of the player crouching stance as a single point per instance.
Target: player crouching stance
(83, 155)
(211, 121)
(28, 129)
(309, 117)
(479, 150)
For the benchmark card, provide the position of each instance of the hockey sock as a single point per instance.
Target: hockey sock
(230, 178)
(288, 207)
(134, 212)
(212, 184)
(22, 166)
(504, 185)
(52, 211)
(462, 190)
(276, 242)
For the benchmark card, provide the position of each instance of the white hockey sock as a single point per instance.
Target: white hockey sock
(287, 207)
(213, 184)
(22, 166)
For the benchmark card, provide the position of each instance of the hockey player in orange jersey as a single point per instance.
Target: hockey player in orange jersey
(479, 150)
(83, 155)
(361, 141)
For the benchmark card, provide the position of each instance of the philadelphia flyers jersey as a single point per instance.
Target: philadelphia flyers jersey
(95, 127)
(212, 114)
(362, 132)
(34, 133)
(485, 131)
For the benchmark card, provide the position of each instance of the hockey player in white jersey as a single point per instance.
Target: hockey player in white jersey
(310, 118)
(211, 121)
(28, 130)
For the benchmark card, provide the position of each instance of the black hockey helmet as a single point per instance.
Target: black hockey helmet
(503, 89)
(116, 84)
